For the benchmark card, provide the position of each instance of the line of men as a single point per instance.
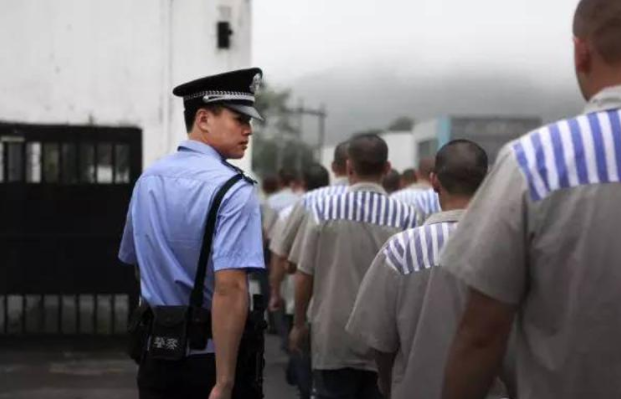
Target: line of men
(330, 237)
(517, 296)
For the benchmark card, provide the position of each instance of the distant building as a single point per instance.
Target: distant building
(491, 133)
(406, 148)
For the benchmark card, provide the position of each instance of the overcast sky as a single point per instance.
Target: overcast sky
(294, 38)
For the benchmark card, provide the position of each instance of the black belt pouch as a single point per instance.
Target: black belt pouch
(139, 327)
(169, 333)
(200, 328)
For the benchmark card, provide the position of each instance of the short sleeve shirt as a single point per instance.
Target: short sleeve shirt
(541, 234)
(166, 221)
(342, 237)
(410, 307)
(282, 243)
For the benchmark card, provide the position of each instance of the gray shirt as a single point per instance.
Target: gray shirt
(542, 233)
(408, 306)
(342, 237)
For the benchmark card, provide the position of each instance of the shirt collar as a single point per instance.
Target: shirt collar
(340, 181)
(202, 148)
(418, 186)
(607, 99)
(447, 216)
(367, 186)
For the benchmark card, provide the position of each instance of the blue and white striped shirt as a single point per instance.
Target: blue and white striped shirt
(419, 249)
(571, 153)
(365, 207)
(424, 200)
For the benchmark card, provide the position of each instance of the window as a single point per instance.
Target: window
(427, 148)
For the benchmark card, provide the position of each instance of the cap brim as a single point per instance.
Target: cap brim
(245, 109)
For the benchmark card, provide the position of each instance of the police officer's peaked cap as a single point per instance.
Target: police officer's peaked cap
(234, 90)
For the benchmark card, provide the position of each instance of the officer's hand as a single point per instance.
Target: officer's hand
(297, 337)
(221, 392)
(276, 302)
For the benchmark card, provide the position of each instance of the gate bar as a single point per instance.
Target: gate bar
(23, 315)
(60, 314)
(5, 300)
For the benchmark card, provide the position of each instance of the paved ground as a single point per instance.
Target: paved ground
(76, 371)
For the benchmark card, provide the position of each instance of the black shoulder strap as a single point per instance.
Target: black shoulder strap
(196, 299)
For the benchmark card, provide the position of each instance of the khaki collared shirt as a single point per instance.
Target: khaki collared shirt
(342, 237)
(542, 233)
(410, 307)
(283, 241)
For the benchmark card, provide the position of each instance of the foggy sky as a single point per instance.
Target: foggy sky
(294, 38)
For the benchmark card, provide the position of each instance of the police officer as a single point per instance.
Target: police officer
(540, 242)
(165, 226)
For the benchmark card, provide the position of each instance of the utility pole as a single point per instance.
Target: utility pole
(319, 113)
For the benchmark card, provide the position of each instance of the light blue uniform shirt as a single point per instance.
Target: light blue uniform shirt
(166, 222)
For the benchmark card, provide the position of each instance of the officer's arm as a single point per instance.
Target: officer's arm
(478, 348)
(229, 311)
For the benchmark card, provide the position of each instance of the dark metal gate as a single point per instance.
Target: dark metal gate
(64, 192)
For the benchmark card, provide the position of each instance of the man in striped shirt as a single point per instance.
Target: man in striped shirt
(407, 308)
(539, 243)
(289, 230)
(342, 237)
(420, 194)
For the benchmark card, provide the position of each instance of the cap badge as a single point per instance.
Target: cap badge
(256, 82)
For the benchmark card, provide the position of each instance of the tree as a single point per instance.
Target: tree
(278, 143)
(401, 123)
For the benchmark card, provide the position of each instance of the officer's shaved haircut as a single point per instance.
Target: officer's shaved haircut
(599, 21)
(368, 154)
(461, 166)
(340, 157)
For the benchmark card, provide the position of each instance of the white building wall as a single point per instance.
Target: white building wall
(114, 62)
(423, 131)
(400, 149)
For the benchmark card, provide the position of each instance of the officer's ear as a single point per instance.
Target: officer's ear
(203, 119)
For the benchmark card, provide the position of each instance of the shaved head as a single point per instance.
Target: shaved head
(599, 22)
(425, 166)
(339, 163)
(461, 166)
(368, 155)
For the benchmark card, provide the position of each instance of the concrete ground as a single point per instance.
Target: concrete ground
(42, 370)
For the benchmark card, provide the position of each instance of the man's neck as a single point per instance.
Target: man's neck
(365, 179)
(452, 203)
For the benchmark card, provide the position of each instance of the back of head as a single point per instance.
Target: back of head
(287, 177)
(408, 177)
(425, 167)
(269, 185)
(599, 23)
(316, 176)
(461, 166)
(392, 181)
(339, 163)
(368, 155)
